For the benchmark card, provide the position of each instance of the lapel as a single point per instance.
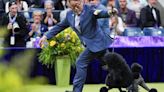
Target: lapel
(71, 18)
(82, 19)
(150, 11)
(41, 28)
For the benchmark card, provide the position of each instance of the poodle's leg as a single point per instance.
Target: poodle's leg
(121, 90)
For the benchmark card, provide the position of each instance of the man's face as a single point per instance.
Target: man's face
(86, 1)
(94, 1)
(152, 2)
(123, 3)
(111, 3)
(13, 9)
(49, 9)
(75, 4)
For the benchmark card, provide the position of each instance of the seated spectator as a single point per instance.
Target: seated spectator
(136, 6)
(60, 4)
(150, 16)
(2, 6)
(16, 25)
(116, 26)
(35, 3)
(22, 6)
(143, 2)
(160, 7)
(2, 9)
(37, 29)
(57, 4)
(49, 17)
(115, 22)
(128, 16)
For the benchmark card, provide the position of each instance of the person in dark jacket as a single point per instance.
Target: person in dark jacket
(16, 26)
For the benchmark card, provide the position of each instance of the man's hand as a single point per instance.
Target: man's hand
(113, 11)
(30, 33)
(9, 26)
(42, 41)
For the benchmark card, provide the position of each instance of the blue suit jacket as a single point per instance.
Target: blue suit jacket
(91, 34)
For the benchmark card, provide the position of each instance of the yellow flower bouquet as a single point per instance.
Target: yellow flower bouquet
(64, 43)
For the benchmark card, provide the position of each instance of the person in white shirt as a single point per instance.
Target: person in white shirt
(22, 7)
(115, 22)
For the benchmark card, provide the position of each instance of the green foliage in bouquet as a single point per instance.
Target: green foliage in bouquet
(64, 43)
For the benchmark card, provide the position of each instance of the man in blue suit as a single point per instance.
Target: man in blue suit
(83, 19)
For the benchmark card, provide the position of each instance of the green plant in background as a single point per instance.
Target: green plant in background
(10, 80)
(64, 43)
(14, 74)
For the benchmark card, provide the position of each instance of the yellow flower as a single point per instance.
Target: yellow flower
(66, 35)
(67, 30)
(42, 45)
(79, 49)
(57, 35)
(52, 43)
(73, 40)
(73, 34)
(62, 45)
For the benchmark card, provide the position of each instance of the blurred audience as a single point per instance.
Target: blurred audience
(16, 25)
(128, 16)
(64, 12)
(37, 29)
(60, 4)
(22, 7)
(49, 17)
(144, 2)
(160, 6)
(150, 16)
(2, 6)
(136, 6)
(115, 22)
(35, 3)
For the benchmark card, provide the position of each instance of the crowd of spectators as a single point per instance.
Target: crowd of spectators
(25, 19)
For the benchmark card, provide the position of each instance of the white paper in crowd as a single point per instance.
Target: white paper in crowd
(12, 40)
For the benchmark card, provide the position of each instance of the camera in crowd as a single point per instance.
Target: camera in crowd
(16, 27)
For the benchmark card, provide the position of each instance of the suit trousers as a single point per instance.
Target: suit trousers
(81, 67)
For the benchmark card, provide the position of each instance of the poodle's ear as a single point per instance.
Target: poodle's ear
(153, 90)
(135, 67)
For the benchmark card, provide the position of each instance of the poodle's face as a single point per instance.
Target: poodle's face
(114, 60)
(135, 67)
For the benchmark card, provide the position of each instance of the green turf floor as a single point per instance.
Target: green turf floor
(87, 88)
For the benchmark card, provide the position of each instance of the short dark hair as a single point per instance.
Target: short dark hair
(12, 3)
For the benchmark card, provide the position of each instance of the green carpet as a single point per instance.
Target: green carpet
(87, 88)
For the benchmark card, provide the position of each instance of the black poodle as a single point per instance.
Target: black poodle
(120, 75)
(138, 79)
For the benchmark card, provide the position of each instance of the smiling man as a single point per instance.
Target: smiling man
(83, 19)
